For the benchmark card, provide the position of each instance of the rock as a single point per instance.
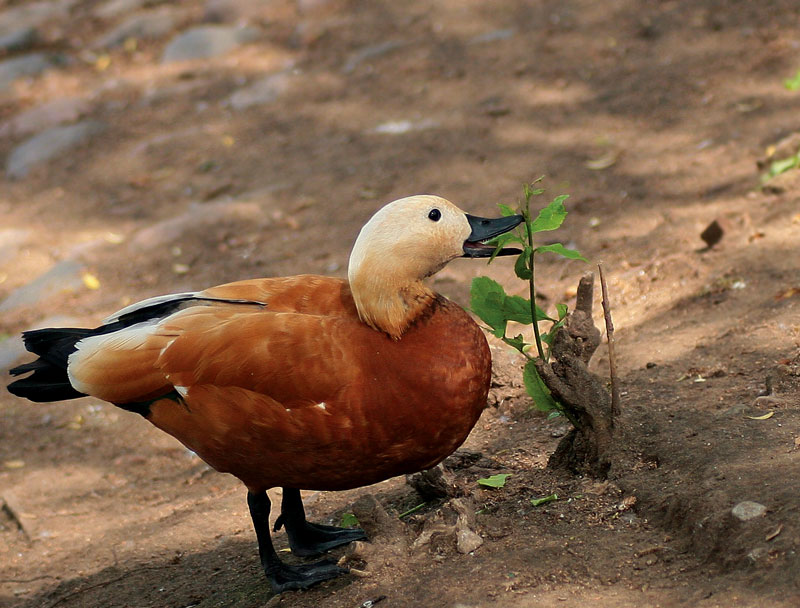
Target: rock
(11, 239)
(205, 42)
(263, 91)
(65, 276)
(12, 349)
(26, 65)
(493, 36)
(198, 215)
(114, 8)
(371, 52)
(18, 39)
(148, 25)
(238, 11)
(33, 14)
(46, 115)
(399, 127)
(47, 144)
(747, 510)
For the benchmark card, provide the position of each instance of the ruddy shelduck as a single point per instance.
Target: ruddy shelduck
(303, 382)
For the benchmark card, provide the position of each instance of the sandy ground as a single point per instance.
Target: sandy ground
(266, 159)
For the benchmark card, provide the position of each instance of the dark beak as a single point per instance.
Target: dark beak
(484, 229)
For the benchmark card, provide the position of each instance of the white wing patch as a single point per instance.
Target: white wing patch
(130, 338)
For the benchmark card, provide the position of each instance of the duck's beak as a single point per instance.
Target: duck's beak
(484, 229)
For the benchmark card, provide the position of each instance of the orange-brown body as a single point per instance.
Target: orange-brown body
(300, 392)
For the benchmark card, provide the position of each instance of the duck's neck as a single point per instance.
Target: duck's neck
(387, 302)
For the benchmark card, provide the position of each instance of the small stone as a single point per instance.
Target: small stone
(18, 39)
(48, 144)
(712, 234)
(205, 42)
(748, 509)
(493, 36)
(263, 91)
(26, 65)
(114, 8)
(371, 52)
(150, 25)
(65, 276)
(46, 115)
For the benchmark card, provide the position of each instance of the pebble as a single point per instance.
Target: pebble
(115, 8)
(12, 349)
(47, 144)
(371, 52)
(149, 25)
(64, 276)
(492, 36)
(205, 42)
(33, 14)
(19, 39)
(49, 114)
(198, 215)
(748, 509)
(263, 91)
(25, 65)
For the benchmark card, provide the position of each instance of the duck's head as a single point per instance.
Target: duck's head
(405, 242)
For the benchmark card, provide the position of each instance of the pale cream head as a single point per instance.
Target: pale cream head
(403, 243)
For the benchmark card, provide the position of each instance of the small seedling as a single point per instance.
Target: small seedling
(494, 307)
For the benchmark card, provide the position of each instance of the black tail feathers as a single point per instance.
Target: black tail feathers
(49, 381)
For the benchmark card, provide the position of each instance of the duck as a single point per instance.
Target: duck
(304, 382)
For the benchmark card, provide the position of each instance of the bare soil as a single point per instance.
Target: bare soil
(651, 115)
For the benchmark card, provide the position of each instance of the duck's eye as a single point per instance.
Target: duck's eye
(435, 215)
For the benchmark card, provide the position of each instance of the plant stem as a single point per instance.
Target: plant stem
(531, 287)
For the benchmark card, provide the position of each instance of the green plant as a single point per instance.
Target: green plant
(793, 83)
(489, 301)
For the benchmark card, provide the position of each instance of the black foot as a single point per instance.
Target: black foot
(309, 540)
(286, 578)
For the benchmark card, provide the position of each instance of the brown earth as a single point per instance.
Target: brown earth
(651, 115)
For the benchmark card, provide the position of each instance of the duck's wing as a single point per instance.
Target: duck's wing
(215, 338)
(261, 327)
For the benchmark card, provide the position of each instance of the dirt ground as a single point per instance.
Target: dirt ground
(651, 115)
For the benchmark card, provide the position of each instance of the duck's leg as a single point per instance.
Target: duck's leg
(281, 576)
(307, 539)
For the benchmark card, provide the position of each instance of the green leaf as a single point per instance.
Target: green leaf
(521, 266)
(554, 414)
(517, 342)
(537, 390)
(349, 521)
(562, 251)
(544, 500)
(793, 83)
(562, 311)
(487, 298)
(495, 481)
(505, 210)
(552, 216)
(784, 165)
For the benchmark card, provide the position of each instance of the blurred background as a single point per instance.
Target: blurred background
(151, 147)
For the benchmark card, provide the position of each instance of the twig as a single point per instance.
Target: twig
(11, 513)
(612, 361)
(4, 581)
